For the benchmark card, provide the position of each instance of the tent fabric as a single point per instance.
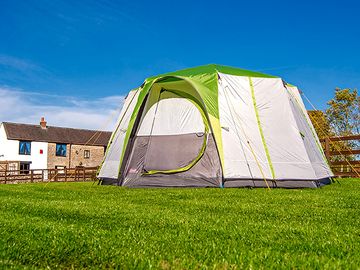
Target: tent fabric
(214, 126)
(240, 130)
(174, 115)
(111, 165)
(283, 139)
(311, 142)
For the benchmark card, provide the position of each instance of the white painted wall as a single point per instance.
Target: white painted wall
(3, 143)
(2, 147)
(9, 150)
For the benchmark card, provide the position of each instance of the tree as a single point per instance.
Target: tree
(320, 123)
(343, 112)
(323, 130)
(341, 118)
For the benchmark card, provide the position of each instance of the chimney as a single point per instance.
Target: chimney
(43, 123)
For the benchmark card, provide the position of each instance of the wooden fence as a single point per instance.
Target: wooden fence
(344, 159)
(48, 175)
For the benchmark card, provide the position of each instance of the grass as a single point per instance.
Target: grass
(80, 225)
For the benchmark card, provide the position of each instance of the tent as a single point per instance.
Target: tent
(214, 126)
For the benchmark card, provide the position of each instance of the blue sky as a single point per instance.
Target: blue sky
(72, 61)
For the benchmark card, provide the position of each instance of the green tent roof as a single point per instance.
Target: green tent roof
(214, 68)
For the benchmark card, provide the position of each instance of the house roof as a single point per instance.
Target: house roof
(15, 131)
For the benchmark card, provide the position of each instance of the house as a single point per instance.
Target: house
(24, 147)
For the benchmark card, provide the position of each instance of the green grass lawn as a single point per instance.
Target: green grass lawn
(81, 225)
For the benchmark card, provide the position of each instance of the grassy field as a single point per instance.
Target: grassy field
(80, 225)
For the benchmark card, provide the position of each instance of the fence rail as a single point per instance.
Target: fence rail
(344, 159)
(78, 174)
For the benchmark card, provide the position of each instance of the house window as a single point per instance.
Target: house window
(24, 148)
(61, 149)
(24, 167)
(86, 153)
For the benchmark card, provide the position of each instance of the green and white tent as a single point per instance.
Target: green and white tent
(214, 126)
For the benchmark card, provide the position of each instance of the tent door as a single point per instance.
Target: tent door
(177, 137)
(172, 144)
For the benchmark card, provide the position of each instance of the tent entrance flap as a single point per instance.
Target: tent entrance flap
(178, 134)
(173, 137)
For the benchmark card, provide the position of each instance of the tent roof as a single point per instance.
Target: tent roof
(214, 68)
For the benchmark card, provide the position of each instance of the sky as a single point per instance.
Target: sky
(74, 61)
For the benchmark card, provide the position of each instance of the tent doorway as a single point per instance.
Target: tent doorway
(178, 134)
(172, 137)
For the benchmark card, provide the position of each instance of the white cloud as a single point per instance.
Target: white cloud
(67, 111)
(17, 63)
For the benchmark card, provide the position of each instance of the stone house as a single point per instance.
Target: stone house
(24, 147)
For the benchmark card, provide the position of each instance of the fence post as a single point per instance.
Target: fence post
(66, 174)
(31, 176)
(5, 176)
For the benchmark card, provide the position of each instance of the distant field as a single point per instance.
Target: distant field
(80, 225)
